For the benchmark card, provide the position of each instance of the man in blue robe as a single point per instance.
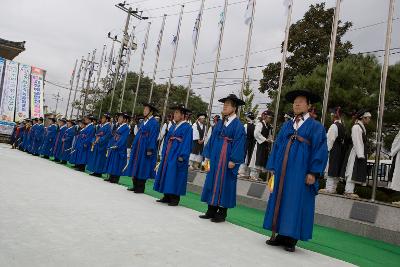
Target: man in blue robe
(66, 141)
(97, 156)
(49, 138)
(172, 173)
(143, 156)
(225, 150)
(83, 144)
(116, 150)
(38, 137)
(56, 151)
(298, 157)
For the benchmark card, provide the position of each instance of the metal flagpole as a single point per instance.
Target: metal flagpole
(121, 50)
(78, 76)
(171, 74)
(283, 64)
(110, 60)
(146, 39)
(214, 83)
(83, 81)
(160, 37)
(381, 106)
(96, 85)
(128, 58)
(331, 60)
(71, 81)
(88, 82)
(246, 61)
(196, 42)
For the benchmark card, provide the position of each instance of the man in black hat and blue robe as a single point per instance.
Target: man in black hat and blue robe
(171, 178)
(49, 138)
(83, 144)
(97, 155)
(143, 156)
(38, 136)
(56, 151)
(225, 151)
(298, 157)
(66, 141)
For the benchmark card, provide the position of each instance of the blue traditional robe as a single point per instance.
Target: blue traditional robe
(48, 140)
(296, 213)
(31, 138)
(66, 143)
(26, 140)
(141, 166)
(116, 151)
(56, 151)
(227, 143)
(38, 138)
(82, 145)
(172, 174)
(97, 156)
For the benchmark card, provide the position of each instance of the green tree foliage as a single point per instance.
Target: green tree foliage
(177, 95)
(248, 95)
(308, 47)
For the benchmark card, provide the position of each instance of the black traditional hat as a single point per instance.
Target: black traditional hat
(63, 120)
(125, 115)
(313, 98)
(53, 119)
(182, 108)
(106, 115)
(233, 98)
(41, 119)
(151, 106)
(250, 115)
(363, 113)
(202, 114)
(90, 117)
(268, 113)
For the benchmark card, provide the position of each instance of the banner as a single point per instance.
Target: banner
(2, 62)
(9, 92)
(6, 127)
(24, 79)
(37, 96)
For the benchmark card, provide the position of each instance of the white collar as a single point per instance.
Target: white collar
(107, 122)
(179, 124)
(63, 126)
(121, 125)
(148, 118)
(230, 119)
(305, 117)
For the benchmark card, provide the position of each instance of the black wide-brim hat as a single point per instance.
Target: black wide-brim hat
(90, 117)
(361, 113)
(151, 106)
(124, 114)
(233, 98)
(201, 114)
(64, 120)
(106, 115)
(182, 108)
(313, 98)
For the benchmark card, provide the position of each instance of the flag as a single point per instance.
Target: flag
(249, 12)
(196, 27)
(174, 39)
(220, 24)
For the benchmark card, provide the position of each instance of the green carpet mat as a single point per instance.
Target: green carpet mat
(354, 249)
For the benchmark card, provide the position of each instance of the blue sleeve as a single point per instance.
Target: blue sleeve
(238, 146)
(152, 140)
(122, 140)
(187, 143)
(319, 150)
(106, 137)
(208, 146)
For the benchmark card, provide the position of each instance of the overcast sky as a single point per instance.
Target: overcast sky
(59, 31)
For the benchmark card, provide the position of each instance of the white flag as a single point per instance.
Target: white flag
(249, 12)
(196, 27)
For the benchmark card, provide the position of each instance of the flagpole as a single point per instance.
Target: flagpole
(96, 87)
(381, 106)
(214, 83)
(171, 74)
(196, 42)
(110, 60)
(146, 39)
(246, 61)
(72, 85)
(83, 81)
(283, 63)
(128, 59)
(331, 61)
(160, 37)
(78, 76)
(83, 109)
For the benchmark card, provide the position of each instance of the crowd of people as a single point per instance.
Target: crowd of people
(228, 149)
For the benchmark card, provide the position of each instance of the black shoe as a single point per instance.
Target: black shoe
(165, 199)
(220, 215)
(131, 189)
(46, 157)
(210, 213)
(174, 200)
(205, 216)
(95, 174)
(290, 248)
(218, 219)
(106, 180)
(274, 241)
(56, 160)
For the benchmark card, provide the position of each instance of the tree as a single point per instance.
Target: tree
(248, 95)
(177, 95)
(355, 85)
(308, 47)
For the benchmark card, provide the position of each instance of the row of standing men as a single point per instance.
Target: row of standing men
(299, 156)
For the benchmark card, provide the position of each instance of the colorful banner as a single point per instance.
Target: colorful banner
(6, 127)
(9, 92)
(24, 79)
(37, 96)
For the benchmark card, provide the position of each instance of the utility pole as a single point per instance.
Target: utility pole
(91, 70)
(124, 43)
(83, 80)
(58, 98)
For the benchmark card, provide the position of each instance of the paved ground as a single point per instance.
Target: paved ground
(51, 215)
